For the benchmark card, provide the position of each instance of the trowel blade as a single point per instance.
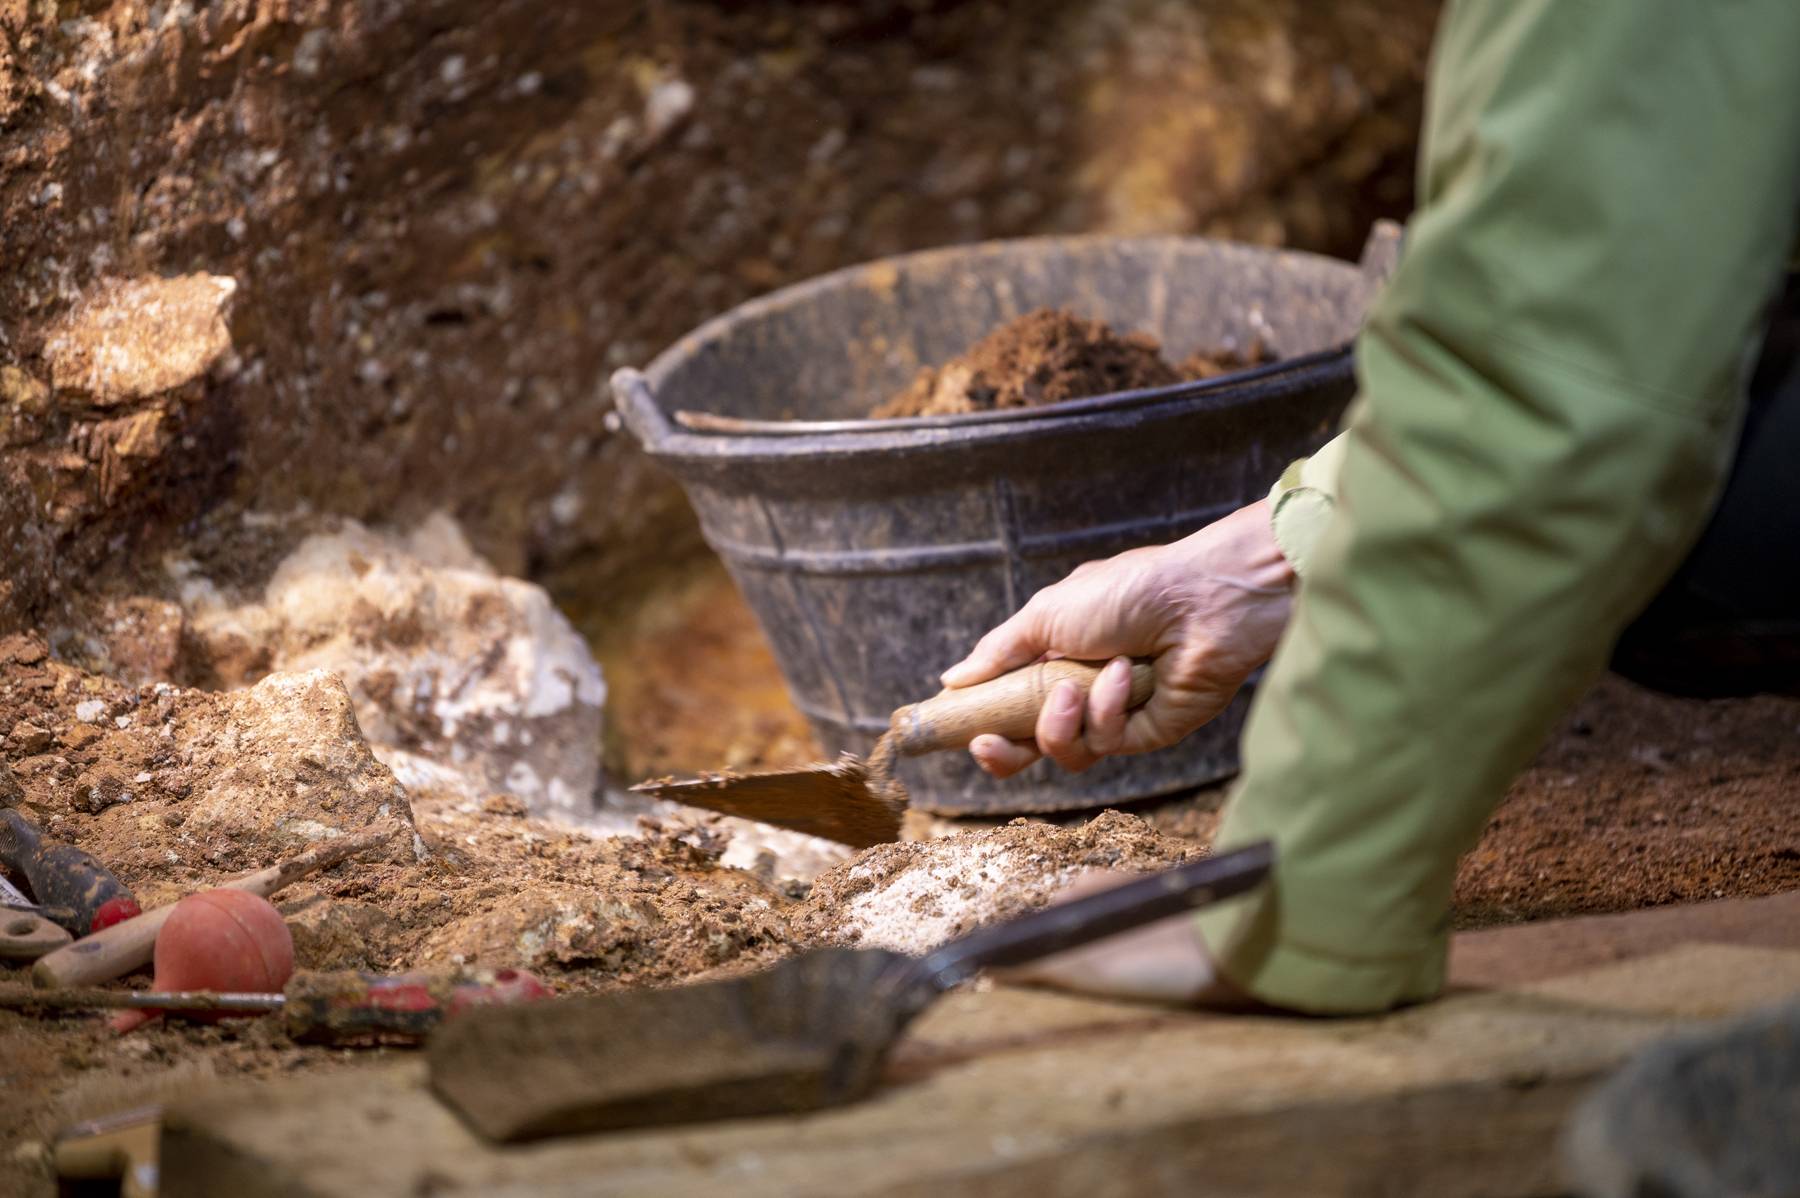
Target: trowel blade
(830, 799)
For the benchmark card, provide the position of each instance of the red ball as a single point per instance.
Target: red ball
(221, 940)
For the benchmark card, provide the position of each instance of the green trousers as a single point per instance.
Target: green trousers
(1550, 387)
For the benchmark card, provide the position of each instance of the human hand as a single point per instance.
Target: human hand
(1208, 609)
(1165, 961)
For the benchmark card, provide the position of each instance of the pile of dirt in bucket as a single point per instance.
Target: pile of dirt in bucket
(1049, 356)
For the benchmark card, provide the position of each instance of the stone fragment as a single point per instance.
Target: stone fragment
(26, 738)
(128, 340)
(24, 401)
(337, 933)
(911, 897)
(23, 392)
(277, 767)
(79, 736)
(99, 788)
(463, 680)
(545, 926)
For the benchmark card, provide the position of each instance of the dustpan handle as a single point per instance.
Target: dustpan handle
(1062, 926)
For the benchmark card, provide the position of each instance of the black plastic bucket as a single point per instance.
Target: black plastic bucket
(875, 553)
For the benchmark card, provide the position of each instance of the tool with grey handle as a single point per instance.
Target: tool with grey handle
(811, 1032)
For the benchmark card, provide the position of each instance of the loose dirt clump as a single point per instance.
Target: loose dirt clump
(174, 789)
(913, 897)
(1049, 356)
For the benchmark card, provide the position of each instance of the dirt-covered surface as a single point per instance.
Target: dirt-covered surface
(912, 897)
(1049, 356)
(176, 790)
(1637, 800)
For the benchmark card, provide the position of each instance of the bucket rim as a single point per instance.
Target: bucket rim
(634, 391)
(665, 441)
(1108, 401)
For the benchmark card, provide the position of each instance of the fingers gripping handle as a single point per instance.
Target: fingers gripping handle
(1005, 706)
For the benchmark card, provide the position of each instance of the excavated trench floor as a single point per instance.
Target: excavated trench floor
(1636, 802)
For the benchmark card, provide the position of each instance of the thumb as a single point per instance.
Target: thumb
(1020, 641)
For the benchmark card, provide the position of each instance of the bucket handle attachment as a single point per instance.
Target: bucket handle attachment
(637, 405)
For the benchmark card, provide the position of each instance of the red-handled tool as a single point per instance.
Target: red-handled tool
(63, 878)
(321, 1008)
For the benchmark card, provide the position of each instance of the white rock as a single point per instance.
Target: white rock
(463, 680)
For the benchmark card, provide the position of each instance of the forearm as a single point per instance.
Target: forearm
(1549, 394)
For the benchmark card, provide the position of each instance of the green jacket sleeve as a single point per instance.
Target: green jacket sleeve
(1549, 391)
(1301, 503)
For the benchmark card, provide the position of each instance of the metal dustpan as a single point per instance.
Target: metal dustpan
(811, 1032)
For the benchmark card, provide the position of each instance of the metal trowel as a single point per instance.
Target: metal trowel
(859, 803)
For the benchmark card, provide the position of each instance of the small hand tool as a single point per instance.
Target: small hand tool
(26, 933)
(14, 899)
(116, 951)
(61, 876)
(811, 1032)
(320, 1008)
(859, 803)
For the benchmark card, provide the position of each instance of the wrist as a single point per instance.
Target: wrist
(1267, 564)
(1241, 548)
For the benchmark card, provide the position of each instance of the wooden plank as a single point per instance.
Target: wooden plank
(1028, 1093)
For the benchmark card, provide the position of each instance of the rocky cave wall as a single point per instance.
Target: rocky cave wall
(271, 258)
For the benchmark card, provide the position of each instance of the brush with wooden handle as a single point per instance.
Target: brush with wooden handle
(858, 802)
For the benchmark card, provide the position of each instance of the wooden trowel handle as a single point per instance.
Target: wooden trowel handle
(1005, 706)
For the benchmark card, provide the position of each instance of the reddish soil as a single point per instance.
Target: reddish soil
(692, 685)
(1636, 801)
(1641, 800)
(1049, 356)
